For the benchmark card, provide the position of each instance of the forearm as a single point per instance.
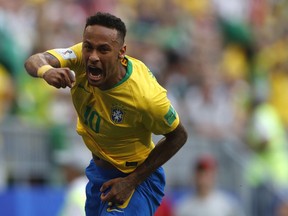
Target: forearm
(163, 151)
(47, 66)
(121, 188)
(34, 62)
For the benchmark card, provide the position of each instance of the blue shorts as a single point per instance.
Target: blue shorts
(144, 201)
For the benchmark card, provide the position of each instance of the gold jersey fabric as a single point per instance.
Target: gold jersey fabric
(117, 124)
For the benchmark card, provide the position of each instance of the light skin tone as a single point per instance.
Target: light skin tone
(102, 52)
(204, 182)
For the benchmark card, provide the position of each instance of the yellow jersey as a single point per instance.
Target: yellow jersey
(117, 124)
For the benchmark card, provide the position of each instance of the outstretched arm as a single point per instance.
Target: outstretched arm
(121, 188)
(47, 66)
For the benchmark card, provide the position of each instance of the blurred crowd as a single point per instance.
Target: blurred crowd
(224, 64)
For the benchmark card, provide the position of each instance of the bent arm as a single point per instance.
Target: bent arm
(34, 62)
(163, 151)
(121, 188)
(48, 66)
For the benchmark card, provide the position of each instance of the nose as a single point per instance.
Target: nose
(93, 56)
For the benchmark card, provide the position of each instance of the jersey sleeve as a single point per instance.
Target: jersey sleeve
(69, 57)
(160, 116)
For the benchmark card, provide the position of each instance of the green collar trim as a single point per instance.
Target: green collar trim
(128, 73)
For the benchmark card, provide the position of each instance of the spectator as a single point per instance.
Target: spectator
(7, 96)
(207, 199)
(72, 162)
(267, 172)
(207, 104)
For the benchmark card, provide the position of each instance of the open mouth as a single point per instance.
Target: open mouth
(94, 73)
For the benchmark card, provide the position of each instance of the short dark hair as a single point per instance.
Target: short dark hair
(108, 20)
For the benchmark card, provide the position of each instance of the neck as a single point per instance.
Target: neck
(203, 193)
(123, 70)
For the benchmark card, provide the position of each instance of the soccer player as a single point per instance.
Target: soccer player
(119, 105)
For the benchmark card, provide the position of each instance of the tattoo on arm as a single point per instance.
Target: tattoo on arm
(35, 61)
(54, 62)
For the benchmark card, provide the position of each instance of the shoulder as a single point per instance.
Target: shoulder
(69, 53)
(139, 67)
(77, 48)
(135, 61)
(69, 57)
(142, 74)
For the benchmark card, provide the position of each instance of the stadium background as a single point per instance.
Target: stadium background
(229, 53)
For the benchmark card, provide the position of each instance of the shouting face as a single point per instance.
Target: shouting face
(102, 52)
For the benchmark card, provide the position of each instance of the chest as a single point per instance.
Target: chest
(110, 113)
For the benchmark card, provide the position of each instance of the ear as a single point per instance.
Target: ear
(122, 52)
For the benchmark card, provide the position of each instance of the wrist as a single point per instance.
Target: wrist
(135, 179)
(42, 70)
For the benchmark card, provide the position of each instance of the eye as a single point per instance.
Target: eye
(104, 49)
(87, 47)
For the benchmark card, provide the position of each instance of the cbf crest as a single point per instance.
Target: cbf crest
(117, 113)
